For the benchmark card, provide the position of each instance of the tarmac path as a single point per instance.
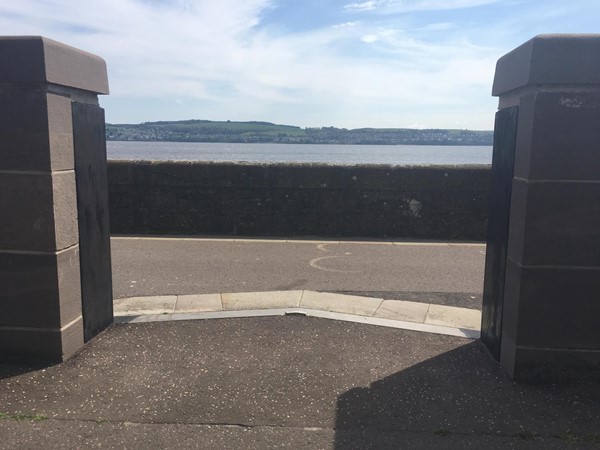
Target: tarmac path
(286, 382)
(433, 272)
(290, 381)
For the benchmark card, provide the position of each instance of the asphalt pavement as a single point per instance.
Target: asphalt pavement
(286, 382)
(289, 381)
(429, 272)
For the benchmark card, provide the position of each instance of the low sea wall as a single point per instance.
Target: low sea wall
(430, 202)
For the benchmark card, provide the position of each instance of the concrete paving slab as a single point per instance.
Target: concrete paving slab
(361, 309)
(402, 310)
(198, 303)
(363, 242)
(420, 244)
(338, 316)
(349, 304)
(163, 304)
(261, 300)
(387, 323)
(454, 317)
(263, 241)
(311, 241)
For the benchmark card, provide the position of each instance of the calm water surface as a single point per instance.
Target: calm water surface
(302, 153)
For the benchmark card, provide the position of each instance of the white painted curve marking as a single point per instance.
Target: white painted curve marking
(315, 264)
(322, 247)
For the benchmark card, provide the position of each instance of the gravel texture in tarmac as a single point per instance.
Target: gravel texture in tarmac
(291, 382)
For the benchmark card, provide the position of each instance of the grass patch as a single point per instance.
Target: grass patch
(20, 416)
(573, 438)
(593, 439)
(525, 435)
(442, 432)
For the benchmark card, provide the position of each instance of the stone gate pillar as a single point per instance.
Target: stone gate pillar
(542, 286)
(44, 86)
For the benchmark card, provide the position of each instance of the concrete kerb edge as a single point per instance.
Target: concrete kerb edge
(299, 240)
(125, 317)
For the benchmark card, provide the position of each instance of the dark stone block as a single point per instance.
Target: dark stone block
(558, 137)
(39, 59)
(60, 128)
(541, 365)
(30, 345)
(24, 130)
(43, 211)
(552, 307)
(30, 294)
(550, 59)
(39, 290)
(40, 345)
(28, 201)
(555, 224)
(93, 217)
(69, 285)
(65, 209)
(25, 55)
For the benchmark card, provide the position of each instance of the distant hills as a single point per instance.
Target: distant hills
(266, 132)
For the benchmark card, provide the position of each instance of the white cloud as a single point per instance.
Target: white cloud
(402, 6)
(369, 38)
(213, 60)
(364, 6)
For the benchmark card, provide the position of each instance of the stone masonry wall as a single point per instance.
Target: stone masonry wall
(430, 202)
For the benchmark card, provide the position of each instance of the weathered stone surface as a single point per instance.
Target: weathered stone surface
(556, 132)
(402, 310)
(38, 59)
(198, 303)
(39, 344)
(555, 224)
(24, 130)
(286, 200)
(163, 304)
(65, 209)
(450, 316)
(39, 290)
(550, 59)
(40, 276)
(349, 304)
(60, 132)
(36, 131)
(27, 205)
(261, 300)
(550, 308)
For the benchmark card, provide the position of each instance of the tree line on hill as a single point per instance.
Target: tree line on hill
(266, 132)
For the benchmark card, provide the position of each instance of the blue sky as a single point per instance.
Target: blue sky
(344, 63)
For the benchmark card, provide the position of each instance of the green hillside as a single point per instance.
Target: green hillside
(265, 132)
(200, 131)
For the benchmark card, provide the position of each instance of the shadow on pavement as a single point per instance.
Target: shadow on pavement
(9, 370)
(462, 397)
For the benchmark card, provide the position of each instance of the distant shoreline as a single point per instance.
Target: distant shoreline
(424, 144)
(204, 131)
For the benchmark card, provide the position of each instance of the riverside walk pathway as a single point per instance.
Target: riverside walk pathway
(288, 381)
(425, 286)
(429, 272)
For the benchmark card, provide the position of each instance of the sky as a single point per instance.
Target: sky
(310, 63)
